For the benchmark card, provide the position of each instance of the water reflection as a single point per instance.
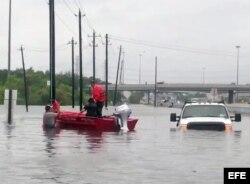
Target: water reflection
(8, 131)
(77, 139)
(94, 138)
(127, 137)
(237, 133)
(50, 133)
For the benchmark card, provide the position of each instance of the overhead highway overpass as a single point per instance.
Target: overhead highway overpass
(221, 88)
(181, 87)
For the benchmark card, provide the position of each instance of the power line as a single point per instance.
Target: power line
(65, 24)
(68, 27)
(59, 47)
(88, 23)
(67, 5)
(167, 45)
(80, 3)
(170, 48)
(70, 9)
(162, 46)
(101, 39)
(77, 4)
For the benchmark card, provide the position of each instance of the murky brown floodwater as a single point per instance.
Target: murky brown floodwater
(154, 153)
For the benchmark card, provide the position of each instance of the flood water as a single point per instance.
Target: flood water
(154, 153)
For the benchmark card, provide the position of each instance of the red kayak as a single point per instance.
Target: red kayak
(80, 120)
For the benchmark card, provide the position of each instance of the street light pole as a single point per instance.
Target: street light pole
(238, 49)
(203, 74)
(72, 42)
(140, 70)
(155, 81)
(9, 39)
(140, 67)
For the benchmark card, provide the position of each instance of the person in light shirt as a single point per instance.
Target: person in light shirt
(49, 117)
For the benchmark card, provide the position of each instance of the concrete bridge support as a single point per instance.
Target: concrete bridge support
(148, 97)
(231, 96)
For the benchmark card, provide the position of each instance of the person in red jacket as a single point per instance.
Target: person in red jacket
(55, 106)
(99, 95)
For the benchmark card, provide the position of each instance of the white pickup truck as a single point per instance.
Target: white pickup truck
(205, 116)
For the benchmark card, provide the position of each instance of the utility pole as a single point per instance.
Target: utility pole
(73, 72)
(52, 50)
(106, 69)
(117, 73)
(9, 40)
(94, 46)
(80, 54)
(238, 51)
(24, 79)
(155, 81)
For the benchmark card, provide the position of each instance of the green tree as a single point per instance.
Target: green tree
(63, 94)
(2, 88)
(38, 91)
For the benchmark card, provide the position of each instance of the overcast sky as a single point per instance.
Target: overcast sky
(194, 40)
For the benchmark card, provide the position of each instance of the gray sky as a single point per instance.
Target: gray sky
(189, 37)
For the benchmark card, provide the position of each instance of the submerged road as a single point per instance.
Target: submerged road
(156, 152)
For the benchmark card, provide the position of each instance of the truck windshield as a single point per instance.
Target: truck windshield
(205, 111)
